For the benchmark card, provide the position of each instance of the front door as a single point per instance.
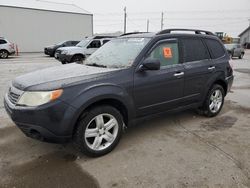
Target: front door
(160, 90)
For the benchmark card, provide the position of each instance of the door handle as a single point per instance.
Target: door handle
(211, 68)
(179, 74)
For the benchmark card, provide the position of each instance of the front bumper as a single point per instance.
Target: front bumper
(64, 58)
(51, 122)
(48, 51)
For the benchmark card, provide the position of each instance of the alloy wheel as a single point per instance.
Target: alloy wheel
(101, 132)
(215, 101)
(3, 54)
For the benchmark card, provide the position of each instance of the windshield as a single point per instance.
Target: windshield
(60, 43)
(83, 43)
(118, 53)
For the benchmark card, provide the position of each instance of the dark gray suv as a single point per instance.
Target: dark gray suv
(129, 78)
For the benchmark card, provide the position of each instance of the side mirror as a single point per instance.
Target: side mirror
(150, 64)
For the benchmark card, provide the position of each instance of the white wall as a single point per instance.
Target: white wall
(31, 29)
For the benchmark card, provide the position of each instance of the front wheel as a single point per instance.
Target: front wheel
(98, 131)
(77, 59)
(241, 56)
(214, 101)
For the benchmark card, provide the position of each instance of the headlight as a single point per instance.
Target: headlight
(35, 98)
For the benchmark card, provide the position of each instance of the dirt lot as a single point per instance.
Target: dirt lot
(181, 150)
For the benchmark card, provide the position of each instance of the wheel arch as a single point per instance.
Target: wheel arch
(111, 101)
(77, 54)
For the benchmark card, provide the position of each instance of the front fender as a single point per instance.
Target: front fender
(99, 92)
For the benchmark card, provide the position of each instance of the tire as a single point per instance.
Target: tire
(91, 138)
(4, 54)
(77, 59)
(214, 101)
(241, 56)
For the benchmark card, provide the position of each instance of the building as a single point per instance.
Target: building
(33, 24)
(245, 37)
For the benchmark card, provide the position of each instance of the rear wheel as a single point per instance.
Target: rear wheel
(4, 54)
(241, 56)
(214, 101)
(98, 131)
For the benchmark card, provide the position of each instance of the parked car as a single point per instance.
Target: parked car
(6, 48)
(50, 50)
(235, 50)
(82, 50)
(129, 78)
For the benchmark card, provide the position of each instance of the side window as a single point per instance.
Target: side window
(215, 47)
(3, 42)
(167, 53)
(95, 44)
(194, 50)
(74, 43)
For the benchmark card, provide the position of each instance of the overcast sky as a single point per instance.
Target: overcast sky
(230, 16)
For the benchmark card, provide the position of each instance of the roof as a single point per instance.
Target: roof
(247, 29)
(44, 5)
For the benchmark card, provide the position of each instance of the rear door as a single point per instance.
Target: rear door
(156, 91)
(198, 68)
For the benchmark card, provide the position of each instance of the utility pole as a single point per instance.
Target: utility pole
(162, 15)
(147, 25)
(125, 19)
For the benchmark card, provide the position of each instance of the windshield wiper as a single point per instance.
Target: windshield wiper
(96, 65)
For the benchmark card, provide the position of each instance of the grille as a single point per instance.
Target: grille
(13, 96)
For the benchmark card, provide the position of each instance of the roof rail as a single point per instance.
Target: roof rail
(132, 33)
(103, 36)
(196, 31)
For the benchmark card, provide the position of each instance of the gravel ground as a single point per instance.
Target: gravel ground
(175, 151)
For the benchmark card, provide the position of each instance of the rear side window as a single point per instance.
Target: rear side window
(215, 47)
(194, 50)
(167, 53)
(3, 42)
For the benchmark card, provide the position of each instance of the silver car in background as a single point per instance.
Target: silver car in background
(6, 48)
(235, 50)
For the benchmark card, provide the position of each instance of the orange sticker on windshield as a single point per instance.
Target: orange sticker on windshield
(167, 52)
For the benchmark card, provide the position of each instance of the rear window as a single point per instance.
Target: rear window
(194, 50)
(3, 42)
(216, 48)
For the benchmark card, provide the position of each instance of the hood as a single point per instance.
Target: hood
(73, 49)
(51, 46)
(59, 77)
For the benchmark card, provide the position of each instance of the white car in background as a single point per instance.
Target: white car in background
(6, 48)
(82, 50)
